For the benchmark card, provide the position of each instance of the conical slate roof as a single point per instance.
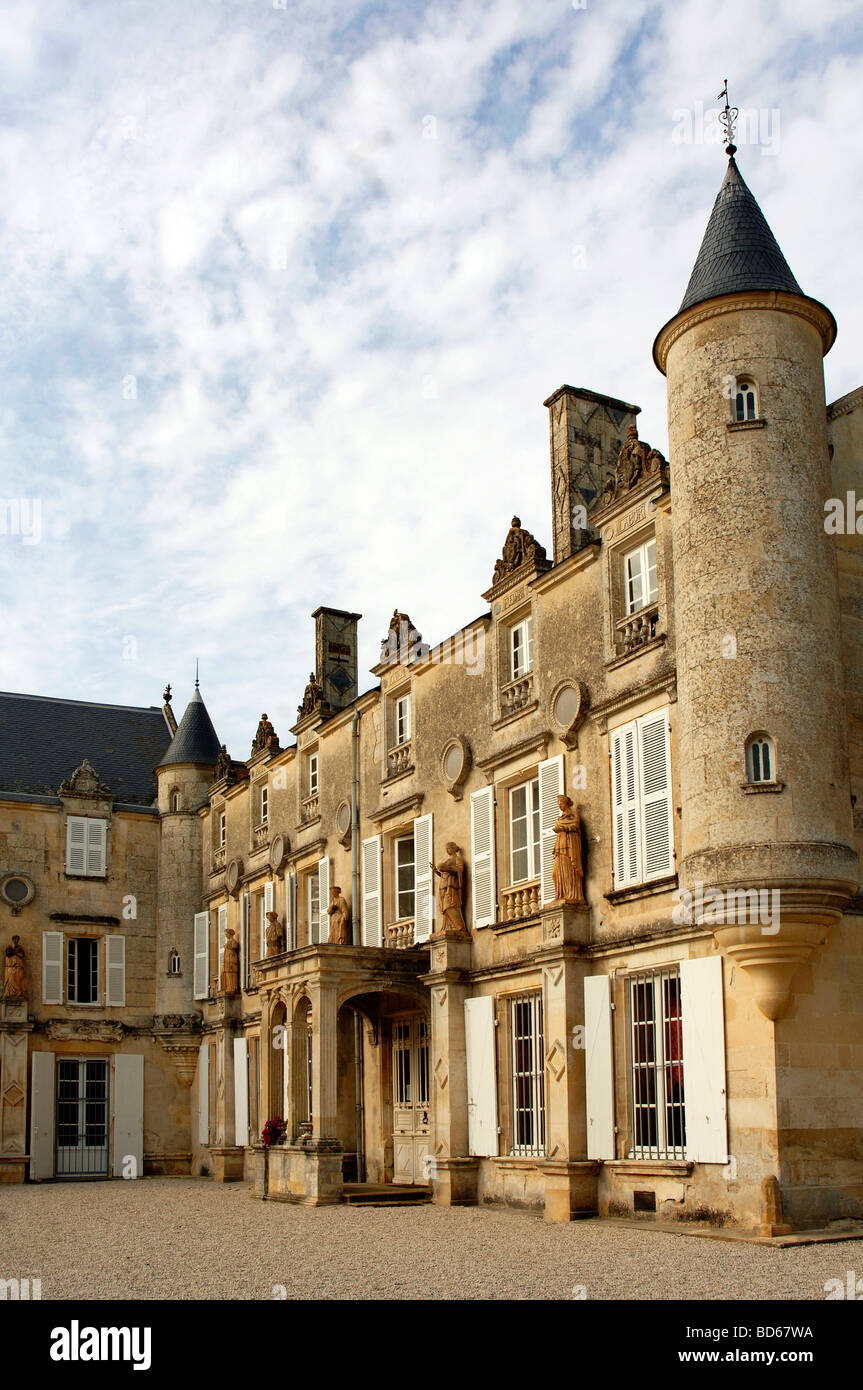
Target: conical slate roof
(739, 251)
(195, 740)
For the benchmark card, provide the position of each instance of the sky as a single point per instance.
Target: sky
(286, 282)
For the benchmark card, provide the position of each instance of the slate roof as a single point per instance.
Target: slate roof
(196, 740)
(739, 251)
(43, 740)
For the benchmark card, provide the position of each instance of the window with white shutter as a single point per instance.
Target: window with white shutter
(76, 845)
(550, 788)
(372, 914)
(323, 899)
(52, 967)
(482, 844)
(481, 1076)
(642, 824)
(599, 1066)
(245, 940)
(115, 972)
(202, 955)
(241, 1091)
(704, 1059)
(221, 928)
(86, 846)
(424, 897)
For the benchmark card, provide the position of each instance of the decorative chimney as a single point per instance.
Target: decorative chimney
(336, 655)
(586, 432)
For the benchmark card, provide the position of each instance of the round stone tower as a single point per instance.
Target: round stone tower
(184, 776)
(757, 612)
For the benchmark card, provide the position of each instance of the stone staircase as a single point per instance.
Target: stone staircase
(387, 1194)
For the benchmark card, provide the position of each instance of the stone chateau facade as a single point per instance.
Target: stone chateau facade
(647, 997)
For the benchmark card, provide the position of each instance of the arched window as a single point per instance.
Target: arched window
(760, 759)
(174, 963)
(175, 801)
(746, 400)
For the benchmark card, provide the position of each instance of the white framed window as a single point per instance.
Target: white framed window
(639, 577)
(82, 970)
(528, 1074)
(313, 774)
(86, 846)
(265, 804)
(223, 829)
(642, 822)
(175, 801)
(402, 719)
(524, 832)
(521, 648)
(760, 759)
(656, 1066)
(174, 963)
(405, 876)
(313, 904)
(746, 401)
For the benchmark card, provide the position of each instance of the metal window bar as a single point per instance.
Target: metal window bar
(402, 1062)
(82, 1118)
(422, 1063)
(528, 1075)
(656, 1040)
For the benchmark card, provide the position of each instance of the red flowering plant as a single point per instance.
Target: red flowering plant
(274, 1131)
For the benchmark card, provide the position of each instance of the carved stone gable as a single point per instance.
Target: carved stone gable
(84, 782)
(313, 697)
(266, 739)
(636, 462)
(520, 548)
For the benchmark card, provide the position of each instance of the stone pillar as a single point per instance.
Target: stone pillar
(570, 1179)
(313, 1162)
(454, 1172)
(225, 1154)
(15, 1026)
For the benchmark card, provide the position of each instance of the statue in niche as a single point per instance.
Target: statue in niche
(230, 981)
(567, 870)
(275, 935)
(450, 871)
(14, 976)
(340, 916)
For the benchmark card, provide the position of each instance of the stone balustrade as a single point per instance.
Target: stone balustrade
(516, 694)
(400, 936)
(635, 630)
(520, 901)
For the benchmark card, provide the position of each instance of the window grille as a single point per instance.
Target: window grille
(528, 1075)
(656, 1033)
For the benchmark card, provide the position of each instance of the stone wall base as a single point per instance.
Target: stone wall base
(13, 1169)
(308, 1172)
(455, 1182)
(570, 1189)
(226, 1164)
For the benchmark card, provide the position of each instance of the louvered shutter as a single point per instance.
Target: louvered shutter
(115, 972)
(372, 914)
(222, 924)
(323, 899)
(42, 1110)
(204, 1093)
(481, 1076)
(424, 901)
(599, 1066)
(482, 844)
(52, 967)
(128, 1107)
(704, 1096)
(245, 940)
(241, 1091)
(550, 788)
(291, 912)
(656, 819)
(625, 805)
(76, 845)
(202, 955)
(97, 839)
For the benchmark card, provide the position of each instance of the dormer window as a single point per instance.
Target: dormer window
(639, 577)
(760, 759)
(521, 648)
(746, 401)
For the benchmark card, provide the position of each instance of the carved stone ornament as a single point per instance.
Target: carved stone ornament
(280, 848)
(455, 764)
(233, 876)
(313, 697)
(84, 782)
(568, 707)
(343, 823)
(176, 1023)
(266, 739)
(223, 764)
(635, 462)
(403, 642)
(519, 548)
(84, 1030)
(17, 890)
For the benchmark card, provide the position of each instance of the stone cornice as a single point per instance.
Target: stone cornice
(809, 309)
(571, 565)
(635, 695)
(846, 405)
(398, 808)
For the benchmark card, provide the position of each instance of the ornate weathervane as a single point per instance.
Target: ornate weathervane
(727, 118)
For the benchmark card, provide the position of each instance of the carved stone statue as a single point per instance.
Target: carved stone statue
(340, 916)
(402, 640)
(567, 870)
(275, 935)
(14, 980)
(635, 461)
(450, 871)
(266, 737)
(223, 763)
(519, 548)
(230, 981)
(313, 697)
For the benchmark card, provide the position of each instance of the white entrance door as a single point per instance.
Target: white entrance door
(410, 1099)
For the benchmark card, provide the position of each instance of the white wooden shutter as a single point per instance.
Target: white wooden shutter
(97, 841)
(222, 924)
(52, 967)
(599, 1066)
(372, 913)
(202, 954)
(269, 906)
(424, 898)
(245, 940)
(479, 1033)
(704, 1060)
(482, 844)
(656, 819)
(550, 788)
(203, 1093)
(42, 1073)
(76, 845)
(115, 972)
(128, 1108)
(323, 899)
(290, 912)
(625, 782)
(241, 1091)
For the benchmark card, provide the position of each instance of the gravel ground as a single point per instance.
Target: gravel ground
(188, 1238)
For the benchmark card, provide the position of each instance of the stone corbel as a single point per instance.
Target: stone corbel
(771, 953)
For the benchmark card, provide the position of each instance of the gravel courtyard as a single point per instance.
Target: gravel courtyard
(187, 1238)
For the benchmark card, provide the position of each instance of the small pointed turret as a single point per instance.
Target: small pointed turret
(196, 740)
